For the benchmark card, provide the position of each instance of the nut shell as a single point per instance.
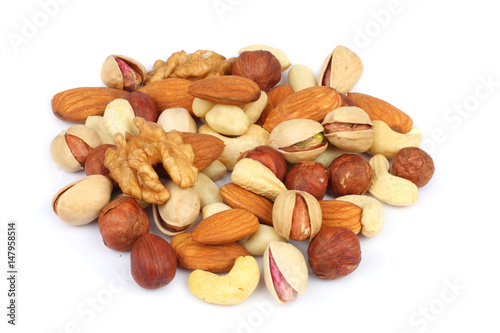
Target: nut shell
(349, 174)
(81, 201)
(260, 66)
(308, 176)
(414, 164)
(112, 76)
(341, 70)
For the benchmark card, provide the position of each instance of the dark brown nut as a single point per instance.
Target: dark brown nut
(153, 262)
(349, 174)
(94, 165)
(268, 156)
(308, 176)
(262, 67)
(334, 252)
(414, 164)
(122, 222)
(143, 105)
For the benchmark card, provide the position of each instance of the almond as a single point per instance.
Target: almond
(228, 89)
(311, 103)
(237, 197)
(207, 148)
(213, 258)
(77, 104)
(170, 93)
(338, 213)
(274, 97)
(379, 109)
(225, 227)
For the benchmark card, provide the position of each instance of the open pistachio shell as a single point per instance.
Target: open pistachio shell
(60, 151)
(283, 209)
(354, 140)
(81, 202)
(294, 131)
(112, 76)
(340, 70)
(179, 212)
(290, 263)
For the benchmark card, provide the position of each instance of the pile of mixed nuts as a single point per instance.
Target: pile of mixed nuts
(159, 140)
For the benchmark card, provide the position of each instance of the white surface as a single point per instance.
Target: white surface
(429, 58)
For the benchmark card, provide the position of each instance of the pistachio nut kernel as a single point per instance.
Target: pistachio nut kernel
(121, 72)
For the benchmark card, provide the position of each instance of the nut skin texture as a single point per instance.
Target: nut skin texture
(153, 262)
(94, 164)
(301, 224)
(268, 156)
(414, 164)
(334, 252)
(349, 174)
(261, 66)
(122, 222)
(143, 105)
(308, 176)
(79, 148)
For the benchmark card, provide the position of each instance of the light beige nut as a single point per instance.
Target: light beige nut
(119, 118)
(301, 77)
(213, 208)
(227, 119)
(201, 107)
(388, 142)
(254, 110)
(207, 190)
(257, 178)
(230, 289)
(330, 154)
(121, 72)
(340, 70)
(179, 212)
(81, 201)
(215, 171)
(372, 216)
(393, 190)
(97, 124)
(279, 54)
(178, 119)
(255, 136)
(257, 242)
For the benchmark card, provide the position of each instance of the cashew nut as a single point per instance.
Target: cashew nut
(372, 216)
(388, 142)
(230, 289)
(393, 190)
(257, 242)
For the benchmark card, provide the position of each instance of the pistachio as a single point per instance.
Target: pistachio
(122, 72)
(179, 212)
(97, 124)
(285, 271)
(119, 118)
(70, 148)
(298, 140)
(81, 201)
(349, 128)
(340, 70)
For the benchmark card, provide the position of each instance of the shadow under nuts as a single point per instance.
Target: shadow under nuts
(349, 174)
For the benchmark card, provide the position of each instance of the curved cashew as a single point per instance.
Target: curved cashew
(388, 142)
(393, 190)
(232, 288)
(372, 217)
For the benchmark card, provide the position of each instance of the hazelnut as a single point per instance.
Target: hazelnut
(308, 176)
(121, 222)
(153, 262)
(349, 174)
(334, 252)
(143, 105)
(94, 164)
(414, 164)
(260, 66)
(268, 156)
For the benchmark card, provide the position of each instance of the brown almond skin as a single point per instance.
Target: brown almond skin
(227, 89)
(308, 176)
(334, 252)
(337, 213)
(76, 104)
(212, 258)
(170, 93)
(274, 97)
(207, 148)
(238, 197)
(153, 262)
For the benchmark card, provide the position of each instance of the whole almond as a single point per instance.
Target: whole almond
(170, 93)
(77, 104)
(274, 97)
(237, 197)
(379, 109)
(228, 89)
(213, 258)
(207, 148)
(338, 213)
(225, 227)
(311, 103)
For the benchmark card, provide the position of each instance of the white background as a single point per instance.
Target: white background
(436, 60)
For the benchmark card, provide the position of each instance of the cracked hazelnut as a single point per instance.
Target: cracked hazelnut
(349, 174)
(414, 164)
